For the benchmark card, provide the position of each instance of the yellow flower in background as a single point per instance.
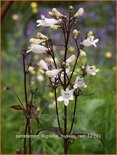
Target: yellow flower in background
(114, 68)
(35, 10)
(62, 52)
(15, 17)
(77, 70)
(71, 49)
(108, 54)
(51, 94)
(33, 5)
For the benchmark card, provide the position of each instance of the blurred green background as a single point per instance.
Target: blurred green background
(95, 113)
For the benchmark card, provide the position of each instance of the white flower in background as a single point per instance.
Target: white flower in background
(82, 53)
(31, 69)
(79, 83)
(70, 59)
(40, 78)
(47, 21)
(53, 73)
(66, 96)
(43, 64)
(79, 13)
(37, 49)
(55, 13)
(91, 70)
(90, 41)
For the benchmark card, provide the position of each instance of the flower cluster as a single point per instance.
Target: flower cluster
(62, 75)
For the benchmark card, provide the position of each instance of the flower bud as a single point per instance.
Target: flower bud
(75, 33)
(83, 67)
(71, 49)
(90, 33)
(63, 63)
(71, 7)
(41, 36)
(51, 14)
(35, 41)
(82, 53)
(54, 27)
(31, 69)
(55, 13)
(79, 12)
(40, 78)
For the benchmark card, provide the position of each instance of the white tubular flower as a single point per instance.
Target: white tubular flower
(79, 83)
(43, 64)
(31, 69)
(66, 96)
(56, 13)
(41, 36)
(82, 53)
(90, 41)
(53, 73)
(37, 49)
(79, 13)
(36, 41)
(70, 59)
(40, 78)
(46, 22)
(91, 70)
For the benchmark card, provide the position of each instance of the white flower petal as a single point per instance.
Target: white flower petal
(66, 102)
(71, 98)
(43, 64)
(62, 92)
(79, 12)
(40, 78)
(60, 98)
(46, 21)
(79, 83)
(96, 40)
(97, 70)
(56, 13)
(70, 59)
(90, 41)
(38, 49)
(91, 70)
(52, 73)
